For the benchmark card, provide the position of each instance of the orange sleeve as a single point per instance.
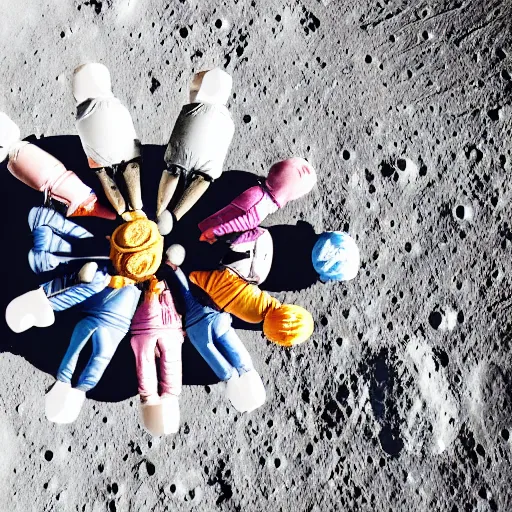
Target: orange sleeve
(234, 295)
(93, 164)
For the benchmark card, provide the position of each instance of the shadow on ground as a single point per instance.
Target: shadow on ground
(44, 348)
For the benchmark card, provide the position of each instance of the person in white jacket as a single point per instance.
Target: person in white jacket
(108, 137)
(198, 145)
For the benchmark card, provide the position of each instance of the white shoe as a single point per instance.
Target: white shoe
(31, 308)
(246, 392)
(161, 417)
(165, 223)
(63, 403)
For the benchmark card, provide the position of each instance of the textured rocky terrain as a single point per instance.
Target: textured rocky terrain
(402, 399)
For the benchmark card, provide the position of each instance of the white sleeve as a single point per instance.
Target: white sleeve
(107, 133)
(201, 138)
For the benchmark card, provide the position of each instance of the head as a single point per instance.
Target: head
(165, 222)
(288, 325)
(175, 254)
(136, 249)
(290, 179)
(91, 80)
(9, 135)
(336, 256)
(213, 86)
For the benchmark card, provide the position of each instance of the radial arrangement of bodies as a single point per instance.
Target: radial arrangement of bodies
(117, 289)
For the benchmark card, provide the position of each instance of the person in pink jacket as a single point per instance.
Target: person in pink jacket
(157, 332)
(287, 181)
(41, 171)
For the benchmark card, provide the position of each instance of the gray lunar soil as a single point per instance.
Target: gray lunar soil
(402, 398)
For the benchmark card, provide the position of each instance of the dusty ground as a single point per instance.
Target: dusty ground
(402, 399)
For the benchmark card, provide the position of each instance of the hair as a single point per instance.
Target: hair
(136, 249)
(288, 325)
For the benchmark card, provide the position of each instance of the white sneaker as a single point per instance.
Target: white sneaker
(246, 392)
(161, 417)
(63, 403)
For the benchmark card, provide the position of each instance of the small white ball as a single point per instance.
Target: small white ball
(87, 272)
(176, 254)
(165, 223)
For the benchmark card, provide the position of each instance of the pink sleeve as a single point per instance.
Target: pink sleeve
(245, 212)
(249, 236)
(41, 171)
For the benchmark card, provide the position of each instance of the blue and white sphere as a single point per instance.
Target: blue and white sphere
(336, 256)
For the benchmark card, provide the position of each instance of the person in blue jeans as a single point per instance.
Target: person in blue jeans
(109, 315)
(211, 333)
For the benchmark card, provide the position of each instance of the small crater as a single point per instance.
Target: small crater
(386, 169)
(150, 468)
(310, 22)
(155, 84)
(368, 59)
(346, 154)
(277, 463)
(218, 24)
(247, 119)
(473, 153)
(442, 356)
(97, 5)
(494, 114)
(500, 54)
(184, 32)
(463, 212)
(48, 455)
(435, 318)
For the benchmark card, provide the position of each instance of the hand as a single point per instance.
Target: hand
(208, 236)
